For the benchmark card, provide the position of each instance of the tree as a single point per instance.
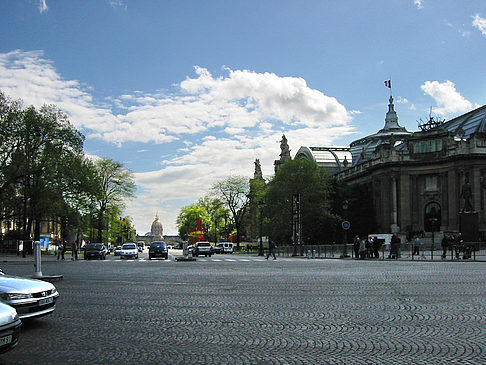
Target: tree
(217, 212)
(188, 217)
(314, 186)
(114, 185)
(234, 191)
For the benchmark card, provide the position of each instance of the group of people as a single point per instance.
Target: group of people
(367, 248)
(456, 245)
(61, 249)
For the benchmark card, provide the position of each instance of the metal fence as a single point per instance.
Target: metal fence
(475, 251)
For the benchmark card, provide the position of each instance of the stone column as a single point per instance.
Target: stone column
(394, 211)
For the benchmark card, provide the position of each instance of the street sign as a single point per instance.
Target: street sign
(346, 225)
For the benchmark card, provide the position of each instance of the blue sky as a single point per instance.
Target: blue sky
(185, 93)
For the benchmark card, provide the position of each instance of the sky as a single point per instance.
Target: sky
(187, 93)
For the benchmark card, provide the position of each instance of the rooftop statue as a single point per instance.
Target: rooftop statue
(258, 170)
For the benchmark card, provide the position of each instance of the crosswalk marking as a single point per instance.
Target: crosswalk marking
(203, 259)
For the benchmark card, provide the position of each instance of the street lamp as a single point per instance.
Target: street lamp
(91, 209)
(345, 226)
(261, 205)
(433, 221)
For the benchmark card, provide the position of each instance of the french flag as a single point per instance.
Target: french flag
(388, 83)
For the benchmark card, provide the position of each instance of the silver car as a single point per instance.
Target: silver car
(9, 328)
(129, 250)
(31, 298)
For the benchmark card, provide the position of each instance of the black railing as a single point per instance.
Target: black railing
(475, 251)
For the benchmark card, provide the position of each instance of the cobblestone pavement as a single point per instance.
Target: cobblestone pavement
(246, 310)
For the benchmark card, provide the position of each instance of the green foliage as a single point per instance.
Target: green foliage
(314, 186)
(188, 217)
(234, 193)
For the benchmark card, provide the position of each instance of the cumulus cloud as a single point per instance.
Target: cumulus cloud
(43, 6)
(221, 123)
(449, 100)
(479, 23)
(418, 4)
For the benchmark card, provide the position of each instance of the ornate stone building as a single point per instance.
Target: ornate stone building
(419, 181)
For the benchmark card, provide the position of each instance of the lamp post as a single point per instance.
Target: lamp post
(91, 208)
(345, 225)
(261, 205)
(433, 221)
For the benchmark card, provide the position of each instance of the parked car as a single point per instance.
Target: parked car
(30, 297)
(129, 250)
(158, 249)
(202, 248)
(190, 249)
(10, 324)
(117, 251)
(95, 251)
(218, 248)
(227, 247)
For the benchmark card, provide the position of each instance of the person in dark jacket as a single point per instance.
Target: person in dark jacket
(271, 250)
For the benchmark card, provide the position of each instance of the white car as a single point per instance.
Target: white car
(9, 328)
(30, 297)
(129, 250)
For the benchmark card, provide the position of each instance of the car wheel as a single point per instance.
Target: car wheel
(150, 257)
(136, 257)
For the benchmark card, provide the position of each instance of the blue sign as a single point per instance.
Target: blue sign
(346, 225)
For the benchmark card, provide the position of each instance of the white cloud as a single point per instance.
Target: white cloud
(479, 23)
(418, 4)
(43, 6)
(223, 123)
(449, 100)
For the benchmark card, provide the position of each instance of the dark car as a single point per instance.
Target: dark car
(158, 249)
(202, 248)
(95, 251)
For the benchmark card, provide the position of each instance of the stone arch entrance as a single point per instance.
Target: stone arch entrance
(432, 217)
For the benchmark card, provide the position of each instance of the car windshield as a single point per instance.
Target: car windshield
(128, 246)
(94, 246)
(158, 244)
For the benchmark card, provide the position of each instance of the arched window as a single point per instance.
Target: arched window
(432, 217)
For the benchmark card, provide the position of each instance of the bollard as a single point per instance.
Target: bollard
(37, 259)
(313, 254)
(308, 254)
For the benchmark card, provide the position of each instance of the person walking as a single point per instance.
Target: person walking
(416, 247)
(356, 246)
(445, 246)
(271, 250)
(74, 253)
(60, 250)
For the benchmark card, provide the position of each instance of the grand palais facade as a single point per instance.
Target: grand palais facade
(423, 181)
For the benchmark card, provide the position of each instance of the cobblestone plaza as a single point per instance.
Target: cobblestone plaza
(242, 309)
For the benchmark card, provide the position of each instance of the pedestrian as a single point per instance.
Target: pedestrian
(445, 245)
(60, 250)
(74, 253)
(394, 247)
(356, 247)
(416, 246)
(271, 249)
(362, 249)
(376, 245)
(458, 242)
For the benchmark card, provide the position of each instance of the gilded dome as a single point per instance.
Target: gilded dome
(157, 230)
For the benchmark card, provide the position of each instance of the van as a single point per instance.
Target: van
(227, 247)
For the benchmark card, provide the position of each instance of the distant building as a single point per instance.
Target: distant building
(416, 179)
(156, 232)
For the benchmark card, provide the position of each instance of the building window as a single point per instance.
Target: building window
(433, 145)
(431, 183)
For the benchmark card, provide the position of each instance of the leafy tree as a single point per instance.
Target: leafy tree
(314, 186)
(188, 217)
(217, 212)
(114, 185)
(234, 192)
